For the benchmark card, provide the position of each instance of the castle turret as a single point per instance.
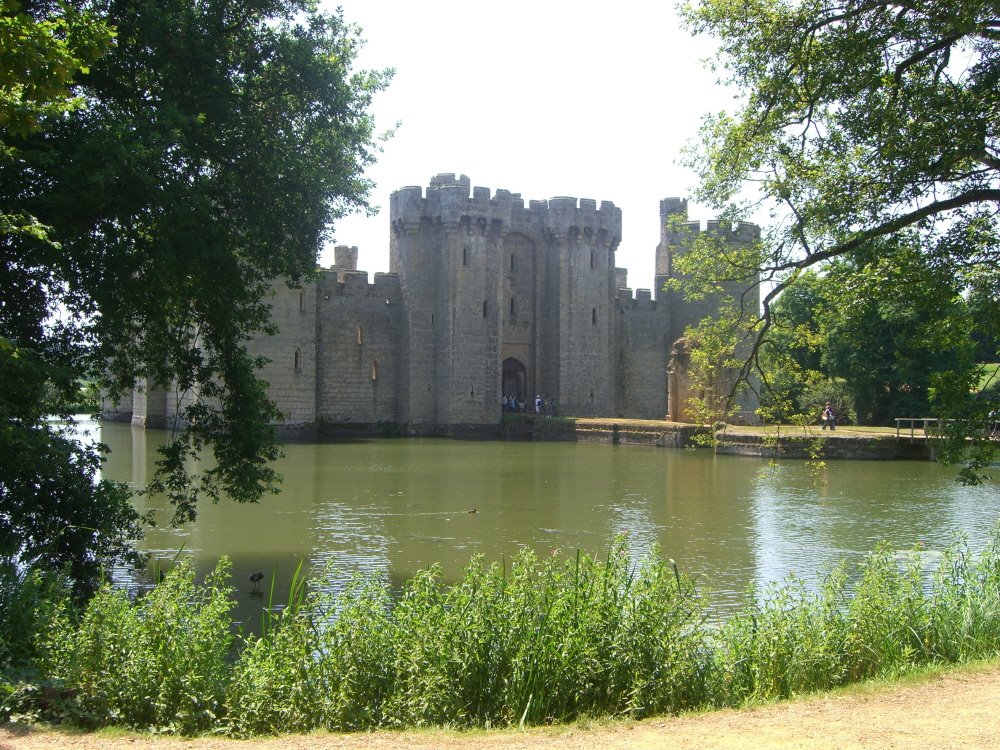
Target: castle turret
(446, 248)
(676, 236)
(503, 300)
(580, 244)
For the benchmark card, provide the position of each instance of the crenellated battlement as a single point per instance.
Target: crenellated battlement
(355, 284)
(742, 231)
(488, 295)
(678, 207)
(673, 207)
(345, 257)
(642, 301)
(453, 201)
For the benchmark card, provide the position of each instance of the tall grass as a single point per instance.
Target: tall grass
(538, 641)
(521, 641)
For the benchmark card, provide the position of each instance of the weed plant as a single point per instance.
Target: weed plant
(156, 663)
(514, 642)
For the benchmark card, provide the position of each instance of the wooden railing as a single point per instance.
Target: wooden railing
(926, 425)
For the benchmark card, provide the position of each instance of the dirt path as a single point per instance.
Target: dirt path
(951, 710)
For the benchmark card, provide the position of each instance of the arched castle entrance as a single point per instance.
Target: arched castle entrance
(515, 378)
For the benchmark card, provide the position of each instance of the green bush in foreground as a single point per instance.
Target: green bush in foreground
(528, 642)
(158, 663)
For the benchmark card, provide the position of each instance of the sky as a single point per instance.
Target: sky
(546, 98)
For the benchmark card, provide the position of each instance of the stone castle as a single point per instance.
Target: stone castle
(486, 297)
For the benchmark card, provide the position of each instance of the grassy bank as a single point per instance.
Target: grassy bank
(528, 641)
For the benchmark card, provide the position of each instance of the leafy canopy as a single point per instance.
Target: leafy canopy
(856, 120)
(171, 175)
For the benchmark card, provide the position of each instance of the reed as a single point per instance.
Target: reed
(514, 642)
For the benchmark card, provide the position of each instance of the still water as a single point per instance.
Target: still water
(395, 506)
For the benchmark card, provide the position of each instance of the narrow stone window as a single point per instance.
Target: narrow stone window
(513, 307)
(361, 335)
(374, 370)
(591, 258)
(485, 308)
(513, 263)
(465, 256)
(593, 316)
(298, 360)
(302, 300)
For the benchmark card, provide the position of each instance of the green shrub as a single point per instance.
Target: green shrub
(525, 641)
(159, 662)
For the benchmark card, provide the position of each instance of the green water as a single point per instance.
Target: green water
(394, 506)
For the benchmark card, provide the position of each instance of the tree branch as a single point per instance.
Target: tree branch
(984, 195)
(923, 54)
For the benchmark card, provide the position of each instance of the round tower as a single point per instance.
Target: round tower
(446, 246)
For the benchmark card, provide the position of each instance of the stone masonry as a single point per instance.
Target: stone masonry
(486, 297)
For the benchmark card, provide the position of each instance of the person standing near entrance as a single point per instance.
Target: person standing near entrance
(828, 418)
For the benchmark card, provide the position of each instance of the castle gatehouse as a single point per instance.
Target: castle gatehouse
(487, 297)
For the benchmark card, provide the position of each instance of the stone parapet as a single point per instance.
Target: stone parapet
(824, 447)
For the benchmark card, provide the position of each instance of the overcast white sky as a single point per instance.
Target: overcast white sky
(547, 98)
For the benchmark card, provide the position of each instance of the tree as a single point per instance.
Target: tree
(219, 141)
(42, 49)
(888, 347)
(857, 120)
(790, 358)
(53, 514)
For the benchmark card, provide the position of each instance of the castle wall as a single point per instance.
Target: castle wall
(583, 243)
(447, 249)
(117, 411)
(357, 347)
(641, 353)
(500, 281)
(674, 241)
(291, 369)
(476, 280)
(469, 347)
(417, 266)
(677, 234)
(518, 306)
(547, 362)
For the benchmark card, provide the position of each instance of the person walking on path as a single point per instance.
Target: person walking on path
(828, 418)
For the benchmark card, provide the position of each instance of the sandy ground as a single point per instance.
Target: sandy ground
(959, 709)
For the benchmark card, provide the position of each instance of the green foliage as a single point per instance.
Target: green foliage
(159, 662)
(888, 347)
(787, 641)
(865, 132)
(151, 191)
(841, 327)
(714, 367)
(54, 516)
(887, 617)
(26, 599)
(837, 393)
(790, 359)
(44, 45)
(543, 641)
(527, 641)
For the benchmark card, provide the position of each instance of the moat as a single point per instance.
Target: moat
(393, 506)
